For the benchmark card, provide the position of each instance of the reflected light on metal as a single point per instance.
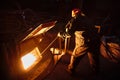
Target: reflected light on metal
(28, 60)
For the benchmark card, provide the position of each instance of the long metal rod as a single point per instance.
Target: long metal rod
(49, 44)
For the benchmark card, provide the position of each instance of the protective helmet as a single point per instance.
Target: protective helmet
(76, 10)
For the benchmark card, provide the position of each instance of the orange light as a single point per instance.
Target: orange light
(28, 60)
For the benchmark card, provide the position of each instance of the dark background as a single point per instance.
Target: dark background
(92, 8)
(54, 5)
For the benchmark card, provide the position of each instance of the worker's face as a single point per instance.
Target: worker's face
(73, 14)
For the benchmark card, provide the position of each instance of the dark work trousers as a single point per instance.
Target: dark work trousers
(92, 50)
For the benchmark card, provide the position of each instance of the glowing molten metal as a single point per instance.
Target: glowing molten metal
(28, 60)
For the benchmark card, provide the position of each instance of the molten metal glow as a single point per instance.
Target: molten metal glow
(28, 60)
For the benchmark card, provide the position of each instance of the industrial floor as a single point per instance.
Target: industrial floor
(108, 70)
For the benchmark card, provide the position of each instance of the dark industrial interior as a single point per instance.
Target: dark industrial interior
(18, 18)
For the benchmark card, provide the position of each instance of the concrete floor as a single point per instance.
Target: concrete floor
(108, 70)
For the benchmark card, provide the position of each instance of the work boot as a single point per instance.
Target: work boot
(70, 70)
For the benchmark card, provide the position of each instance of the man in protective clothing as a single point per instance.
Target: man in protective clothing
(86, 41)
